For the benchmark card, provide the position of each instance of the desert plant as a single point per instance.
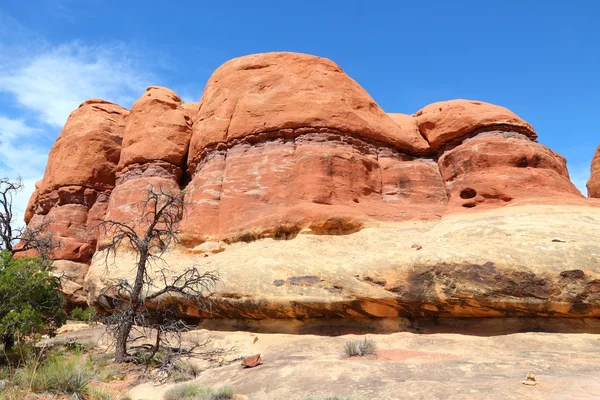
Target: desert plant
(184, 371)
(360, 348)
(351, 348)
(61, 371)
(98, 394)
(60, 374)
(30, 303)
(193, 391)
(87, 315)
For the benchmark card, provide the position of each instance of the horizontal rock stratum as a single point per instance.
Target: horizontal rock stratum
(313, 202)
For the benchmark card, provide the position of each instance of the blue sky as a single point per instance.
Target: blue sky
(540, 58)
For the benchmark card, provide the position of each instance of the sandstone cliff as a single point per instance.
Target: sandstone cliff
(456, 210)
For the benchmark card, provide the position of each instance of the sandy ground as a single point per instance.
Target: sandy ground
(407, 366)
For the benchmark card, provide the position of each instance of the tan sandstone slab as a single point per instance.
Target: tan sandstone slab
(514, 261)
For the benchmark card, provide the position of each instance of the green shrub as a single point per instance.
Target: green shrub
(30, 303)
(87, 315)
(360, 348)
(192, 391)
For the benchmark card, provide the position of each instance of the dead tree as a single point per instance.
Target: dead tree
(150, 236)
(16, 238)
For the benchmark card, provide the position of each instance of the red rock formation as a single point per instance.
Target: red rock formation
(87, 149)
(81, 170)
(287, 141)
(155, 145)
(450, 122)
(268, 92)
(191, 110)
(488, 156)
(495, 168)
(593, 184)
(157, 132)
(71, 198)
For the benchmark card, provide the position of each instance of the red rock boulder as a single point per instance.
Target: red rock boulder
(155, 146)
(450, 122)
(88, 148)
(495, 168)
(265, 93)
(488, 156)
(158, 131)
(81, 170)
(284, 142)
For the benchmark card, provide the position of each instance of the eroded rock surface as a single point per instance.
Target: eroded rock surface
(366, 213)
(450, 122)
(514, 261)
(284, 142)
(155, 145)
(71, 198)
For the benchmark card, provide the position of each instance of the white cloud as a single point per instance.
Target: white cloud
(21, 156)
(54, 82)
(40, 84)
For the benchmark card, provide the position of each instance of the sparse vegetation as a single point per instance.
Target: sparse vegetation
(360, 348)
(59, 371)
(30, 304)
(193, 391)
(87, 315)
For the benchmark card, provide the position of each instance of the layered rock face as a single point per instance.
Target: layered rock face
(284, 142)
(73, 195)
(488, 155)
(593, 185)
(287, 146)
(155, 145)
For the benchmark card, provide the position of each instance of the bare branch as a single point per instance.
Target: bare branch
(8, 189)
(16, 239)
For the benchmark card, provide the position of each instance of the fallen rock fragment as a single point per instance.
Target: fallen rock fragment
(251, 361)
(530, 379)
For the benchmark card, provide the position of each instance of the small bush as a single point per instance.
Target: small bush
(351, 348)
(30, 303)
(63, 371)
(87, 315)
(11, 392)
(192, 391)
(360, 348)
(58, 374)
(98, 394)
(183, 371)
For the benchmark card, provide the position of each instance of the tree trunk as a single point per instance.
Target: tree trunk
(126, 325)
(9, 341)
(121, 344)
